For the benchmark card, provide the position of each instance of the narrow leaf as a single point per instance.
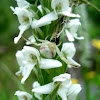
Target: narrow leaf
(40, 76)
(52, 95)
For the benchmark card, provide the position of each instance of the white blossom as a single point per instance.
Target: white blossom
(68, 51)
(72, 28)
(27, 58)
(67, 90)
(23, 95)
(40, 8)
(24, 17)
(62, 7)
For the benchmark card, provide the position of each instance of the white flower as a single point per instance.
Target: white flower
(31, 40)
(25, 19)
(35, 85)
(67, 90)
(23, 95)
(27, 58)
(72, 28)
(62, 7)
(68, 51)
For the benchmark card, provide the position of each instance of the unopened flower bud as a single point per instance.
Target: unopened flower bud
(48, 51)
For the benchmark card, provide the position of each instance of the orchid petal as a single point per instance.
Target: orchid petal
(22, 3)
(49, 63)
(73, 25)
(69, 14)
(79, 38)
(35, 85)
(12, 8)
(73, 63)
(19, 57)
(62, 92)
(22, 28)
(40, 8)
(27, 50)
(62, 77)
(45, 20)
(73, 91)
(26, 71)
(70, 37)
(45, 89)
(68, 49)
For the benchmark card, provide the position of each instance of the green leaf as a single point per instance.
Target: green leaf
(52, 95)
(46, 3)
(40, 76)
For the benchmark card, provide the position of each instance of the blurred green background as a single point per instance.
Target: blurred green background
(90, 74)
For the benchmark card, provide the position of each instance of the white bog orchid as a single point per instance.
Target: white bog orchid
(67, 90)
(68, 51)
(72, 28)
(27, 58)
(62, 7)
(23, 95)
(25, 20)
(24, 17)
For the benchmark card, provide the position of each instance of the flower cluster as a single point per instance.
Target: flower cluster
(54, 32)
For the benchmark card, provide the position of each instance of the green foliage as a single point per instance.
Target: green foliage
(52, 95)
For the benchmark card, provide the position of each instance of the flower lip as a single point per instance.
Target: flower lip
(75, 87)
